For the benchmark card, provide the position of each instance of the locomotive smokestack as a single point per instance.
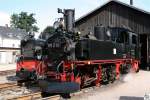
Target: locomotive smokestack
(69, 19)
(131, 2)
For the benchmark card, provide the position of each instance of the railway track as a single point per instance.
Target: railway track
(7, 72)
(12, 90)
(32, 95)
(8, 85)
(35, 96)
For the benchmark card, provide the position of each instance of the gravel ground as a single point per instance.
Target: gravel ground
(4, 79)
(14, 92)
(133, 86)
(4, 67)
(8, 78)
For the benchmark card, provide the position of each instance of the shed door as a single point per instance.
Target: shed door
(144, 51)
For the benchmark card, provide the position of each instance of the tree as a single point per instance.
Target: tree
(47, 32)
(49, 29)
(24, 21)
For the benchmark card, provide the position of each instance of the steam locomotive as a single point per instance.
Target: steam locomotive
(28, 62)
(67, 61)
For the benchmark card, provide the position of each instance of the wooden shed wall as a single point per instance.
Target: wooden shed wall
(115, 15)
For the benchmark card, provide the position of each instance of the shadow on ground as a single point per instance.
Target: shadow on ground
(130, 98)
(12, 78)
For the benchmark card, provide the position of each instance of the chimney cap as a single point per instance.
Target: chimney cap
(131, 2)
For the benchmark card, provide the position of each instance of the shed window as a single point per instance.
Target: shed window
(134, 39)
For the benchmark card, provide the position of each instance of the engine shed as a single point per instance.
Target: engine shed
(117, 14)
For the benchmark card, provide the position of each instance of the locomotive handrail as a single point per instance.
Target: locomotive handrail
(101, 61)
(59, 65)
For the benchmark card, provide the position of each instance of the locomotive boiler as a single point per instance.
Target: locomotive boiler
(73, 61)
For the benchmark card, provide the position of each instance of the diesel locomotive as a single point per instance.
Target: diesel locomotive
(67, 61)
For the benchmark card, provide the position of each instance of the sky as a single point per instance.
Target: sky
(46, 10)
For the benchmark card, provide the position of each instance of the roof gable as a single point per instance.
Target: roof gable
(7, 32)
(107, 4)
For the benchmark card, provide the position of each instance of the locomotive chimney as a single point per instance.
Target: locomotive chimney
(131, 2)
(69, 19)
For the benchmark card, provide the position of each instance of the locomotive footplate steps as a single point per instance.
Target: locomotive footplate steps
(59, 87)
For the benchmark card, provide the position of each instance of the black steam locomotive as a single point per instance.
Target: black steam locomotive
(75, 61)
(70, 62)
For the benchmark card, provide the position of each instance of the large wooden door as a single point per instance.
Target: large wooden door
(144, 42)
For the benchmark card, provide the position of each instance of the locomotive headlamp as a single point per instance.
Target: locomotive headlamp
(89, 62)
(78, 32)
(39, 57)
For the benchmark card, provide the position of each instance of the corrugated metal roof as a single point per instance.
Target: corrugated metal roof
(115, 1)
(7, 32)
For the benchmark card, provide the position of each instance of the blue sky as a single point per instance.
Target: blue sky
(46, 10)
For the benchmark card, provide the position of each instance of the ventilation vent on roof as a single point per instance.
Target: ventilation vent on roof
(131, 2)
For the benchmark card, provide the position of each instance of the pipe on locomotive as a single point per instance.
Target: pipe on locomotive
(69, 19)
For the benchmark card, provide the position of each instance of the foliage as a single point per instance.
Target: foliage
(24, 21)
(49, 29)
(47, 32)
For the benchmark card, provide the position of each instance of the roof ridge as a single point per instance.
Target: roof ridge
(116, 1)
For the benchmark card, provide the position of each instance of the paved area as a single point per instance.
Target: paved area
(7, 78)
(130, 87)
(4, 67)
